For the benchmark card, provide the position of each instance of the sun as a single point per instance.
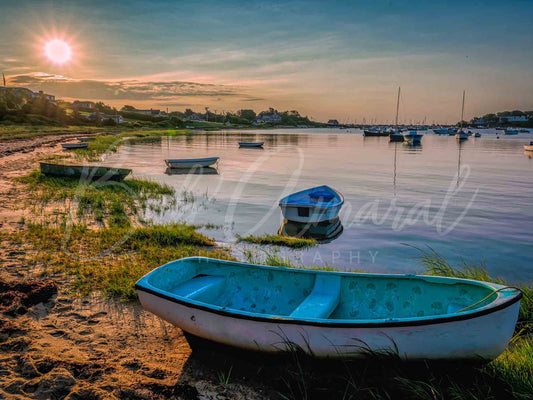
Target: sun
(58, 51)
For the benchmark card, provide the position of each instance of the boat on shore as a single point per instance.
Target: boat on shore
(71, 146)
(86, 139)
(313, 205)
(191, 162)
(251, 144)
(332, 314)
(412, 137)
(89, 172)
(529, 147)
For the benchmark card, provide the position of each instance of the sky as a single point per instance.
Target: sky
(326, 59)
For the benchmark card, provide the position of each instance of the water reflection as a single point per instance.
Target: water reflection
(192, 171)
(322, 232)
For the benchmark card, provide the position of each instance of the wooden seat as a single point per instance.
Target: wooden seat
(322, 301)
(195, 287)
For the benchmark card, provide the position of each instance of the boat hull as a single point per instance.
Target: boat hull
(192, 163)
(375, 133)
(313, 215)
(70, 146)
(251, 144)
(87, 172)
(484, 337)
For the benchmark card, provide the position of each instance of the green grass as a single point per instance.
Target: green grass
(116, 203)
(279, 240)
(21, 131)
(110, 143)
(111, 260)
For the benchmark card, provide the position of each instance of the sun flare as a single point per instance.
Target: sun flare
(58, 51)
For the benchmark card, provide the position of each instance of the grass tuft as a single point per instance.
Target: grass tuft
(278, 240)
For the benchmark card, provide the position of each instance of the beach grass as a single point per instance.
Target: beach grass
(278, 240)
(21, 131)
(111, 260)
(109, 202)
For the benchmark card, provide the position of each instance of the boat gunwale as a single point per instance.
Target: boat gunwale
(496, 305)
(319, 206)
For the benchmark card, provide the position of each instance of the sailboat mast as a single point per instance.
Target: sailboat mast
(397, 108)
(463, 110)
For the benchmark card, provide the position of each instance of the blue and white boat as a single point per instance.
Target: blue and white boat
(412, 137)
(317, 204)
(331, 314)
(510, 131)
(477, 134)
(461, 135)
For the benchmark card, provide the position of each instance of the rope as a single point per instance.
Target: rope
(489, 295)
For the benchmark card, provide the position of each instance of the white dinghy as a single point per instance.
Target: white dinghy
(191, 162)
(317, 204)
(332, 314)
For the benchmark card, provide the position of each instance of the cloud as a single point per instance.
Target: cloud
(128, 90)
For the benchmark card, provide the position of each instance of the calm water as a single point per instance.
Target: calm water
(394, 194)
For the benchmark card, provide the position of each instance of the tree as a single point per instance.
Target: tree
(248, 115)
(188, 112)
(128, 108)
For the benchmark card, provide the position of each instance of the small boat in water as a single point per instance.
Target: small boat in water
(461, 135)
(70, 146)
(524, 131)
(477, 134)
(317, 204)
(412, 137)
(331, 314)
(529, 148)
(375, 132)
(510, 132)
(89, 172)
(251, 144)
(396, 137)
(191, 162)
(86, 139)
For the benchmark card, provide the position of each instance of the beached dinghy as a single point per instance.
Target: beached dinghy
(251, 144)
(71, 146)
(89, 172)
(191, 162)
(317, 204)
(332, 314)
(86, 139)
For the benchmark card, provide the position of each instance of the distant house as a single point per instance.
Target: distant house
(333, 122)
(83, 104)
(25, 93)
(513, 118)
(262, 118)
(95, 116)
(194, 117)
(151, 111)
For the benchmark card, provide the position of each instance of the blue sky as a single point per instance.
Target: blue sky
(340, 60)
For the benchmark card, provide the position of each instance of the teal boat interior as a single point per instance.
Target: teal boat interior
(282, 293)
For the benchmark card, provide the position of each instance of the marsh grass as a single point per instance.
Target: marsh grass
(278, 240)
(114, 203)
(111, 260)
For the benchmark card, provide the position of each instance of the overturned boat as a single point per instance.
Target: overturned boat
(332, 314)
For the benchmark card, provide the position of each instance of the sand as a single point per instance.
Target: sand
(59, 346)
